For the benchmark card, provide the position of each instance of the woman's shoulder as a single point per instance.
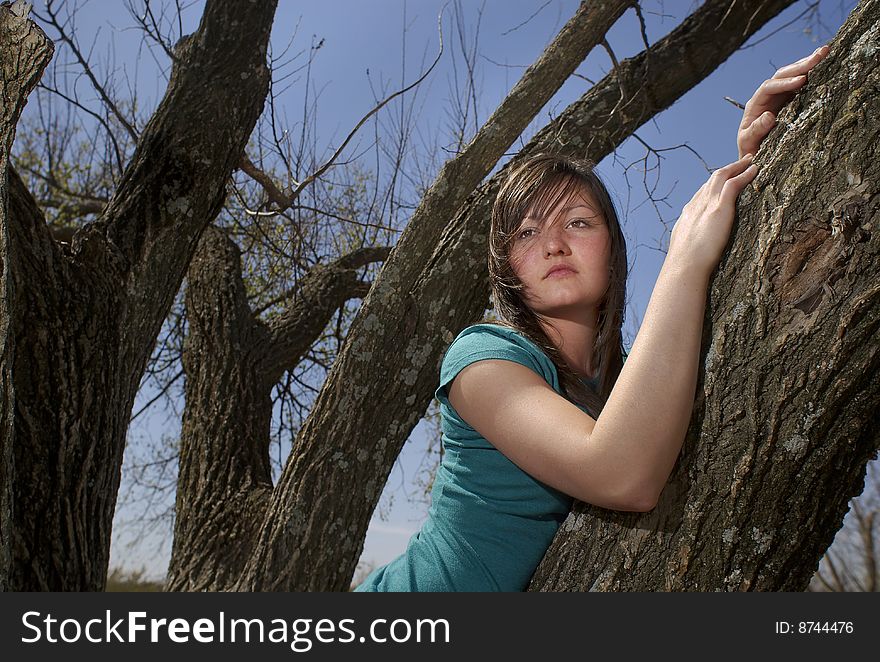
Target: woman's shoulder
(494, 341)
(489, 335)
(486, 340)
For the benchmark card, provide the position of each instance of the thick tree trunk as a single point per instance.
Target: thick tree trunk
(224, 481)
(19, 76)
(434, 283)
(786, 415)
(232, 360)
(86, 316)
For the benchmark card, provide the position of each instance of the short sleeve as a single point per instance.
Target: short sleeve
(488, 341)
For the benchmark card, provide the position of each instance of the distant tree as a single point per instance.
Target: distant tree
(852, 563)
(119, 581)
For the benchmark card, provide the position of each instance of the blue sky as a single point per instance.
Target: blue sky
(385, 42)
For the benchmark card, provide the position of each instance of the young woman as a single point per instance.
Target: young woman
(541, 408)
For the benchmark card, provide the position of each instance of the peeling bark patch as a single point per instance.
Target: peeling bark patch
(866, 46)
(573, 522)
(814, 256)
(762, 540)
(734, 579)
(410, 376)
(796, 445)
(179, 207)
(294, 524)
(339, 459)
(677, 566)
(847, 211)
(811, 416)
(372, 323)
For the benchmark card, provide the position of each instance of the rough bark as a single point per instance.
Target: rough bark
(786, 413)
(311, 540)
(232, 360)
(87, 315)
(32, 50)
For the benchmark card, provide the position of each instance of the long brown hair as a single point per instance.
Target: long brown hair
(536, 186)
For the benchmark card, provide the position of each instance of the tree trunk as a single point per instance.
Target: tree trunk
(224, 480)
(434, 283)
(786, 414)
(86, 316)
(20, 75)
(232, 360)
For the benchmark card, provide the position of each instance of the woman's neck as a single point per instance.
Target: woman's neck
(574, 338)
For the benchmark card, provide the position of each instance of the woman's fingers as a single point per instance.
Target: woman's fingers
(721, 176)
(768, 93)
(703, 229)
(751, 136)
(803, 65)
(735, 185)
(772, 95)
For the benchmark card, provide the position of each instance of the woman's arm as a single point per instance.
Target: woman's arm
(623, 459)
(647, 414)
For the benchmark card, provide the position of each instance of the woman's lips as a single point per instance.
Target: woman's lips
(560, 272)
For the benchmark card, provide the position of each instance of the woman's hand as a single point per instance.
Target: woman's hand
(761, 110)
(703, 229)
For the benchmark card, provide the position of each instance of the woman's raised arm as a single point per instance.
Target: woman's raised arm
(623, 459)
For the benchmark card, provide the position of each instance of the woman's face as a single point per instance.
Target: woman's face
(563, 259)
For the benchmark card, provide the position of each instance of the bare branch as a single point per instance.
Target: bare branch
(100, 120)
(87, 70)
(810, 10)
(320, 171)
(159, 395)
(313, 300)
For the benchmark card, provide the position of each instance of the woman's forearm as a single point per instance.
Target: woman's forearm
(647, 414)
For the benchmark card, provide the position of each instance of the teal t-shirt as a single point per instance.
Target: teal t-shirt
(490, 522)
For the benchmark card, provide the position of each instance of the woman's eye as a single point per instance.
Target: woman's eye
(525, 234)
(582, 221)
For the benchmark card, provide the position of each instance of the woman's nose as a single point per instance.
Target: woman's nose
(554, 243)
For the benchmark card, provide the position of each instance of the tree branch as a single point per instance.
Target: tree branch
(285, 537)
(175, 183)
(314, 299)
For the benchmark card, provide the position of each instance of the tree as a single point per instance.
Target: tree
(304, 543)
(214, 503)
(19, 77)
(124, 270)
(785, 422)
(83, 318)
